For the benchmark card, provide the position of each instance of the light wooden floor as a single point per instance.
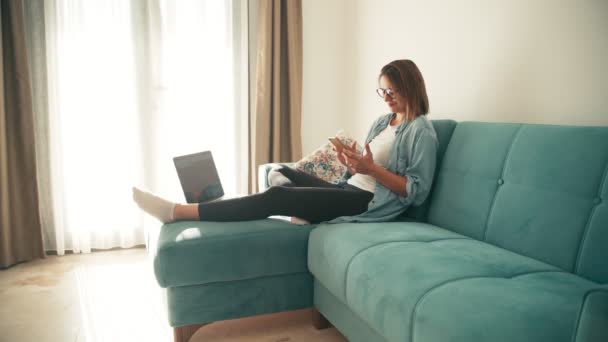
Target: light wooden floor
(112, 296)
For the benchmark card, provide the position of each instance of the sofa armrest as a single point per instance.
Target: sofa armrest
(263, 171)
(593, 316)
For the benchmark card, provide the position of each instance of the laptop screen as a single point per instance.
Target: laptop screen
(198, 176)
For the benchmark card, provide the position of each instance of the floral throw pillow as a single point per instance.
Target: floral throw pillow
(323, 162)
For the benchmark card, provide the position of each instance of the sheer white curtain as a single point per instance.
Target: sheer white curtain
(130, 85)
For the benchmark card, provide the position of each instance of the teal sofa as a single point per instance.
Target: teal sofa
(512, 245)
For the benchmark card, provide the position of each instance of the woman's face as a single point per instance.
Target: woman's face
(396, 102)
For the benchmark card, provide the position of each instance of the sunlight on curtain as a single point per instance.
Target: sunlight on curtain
(197, 72)
(93, 117)
(103, 140)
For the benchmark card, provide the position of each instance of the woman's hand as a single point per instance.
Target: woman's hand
(360, 163)
(342, 157)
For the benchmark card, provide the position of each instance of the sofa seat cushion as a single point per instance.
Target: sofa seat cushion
(194, 253)
(390, 273)
(332, 247)
(543, 306)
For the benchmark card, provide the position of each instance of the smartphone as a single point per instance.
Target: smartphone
(336, 142)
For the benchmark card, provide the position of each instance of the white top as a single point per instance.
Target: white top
(381, 149)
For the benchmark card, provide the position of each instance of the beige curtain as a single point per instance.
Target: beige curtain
(20, 231)
(275, 124)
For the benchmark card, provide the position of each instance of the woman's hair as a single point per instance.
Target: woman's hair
(405, 75)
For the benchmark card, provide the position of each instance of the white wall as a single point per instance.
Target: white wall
(541, 61)
(323, 71)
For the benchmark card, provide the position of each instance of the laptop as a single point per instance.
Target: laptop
(198, 176)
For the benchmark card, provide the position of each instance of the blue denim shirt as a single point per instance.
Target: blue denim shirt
(412, 155)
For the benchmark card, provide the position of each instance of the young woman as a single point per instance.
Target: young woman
(395, 171)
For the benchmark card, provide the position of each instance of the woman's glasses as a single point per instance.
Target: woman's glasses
(388, 91)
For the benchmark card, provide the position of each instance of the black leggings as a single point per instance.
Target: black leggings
(305, 197)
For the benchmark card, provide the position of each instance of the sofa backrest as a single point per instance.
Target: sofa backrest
(537, 190)
(444, 130)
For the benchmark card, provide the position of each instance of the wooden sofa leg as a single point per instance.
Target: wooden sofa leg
(318, 320)
(183, 333)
